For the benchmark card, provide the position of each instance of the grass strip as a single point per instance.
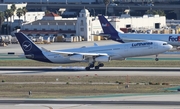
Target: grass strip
(87, 85)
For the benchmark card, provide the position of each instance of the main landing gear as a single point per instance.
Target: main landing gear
(156, 59)
(91, 65)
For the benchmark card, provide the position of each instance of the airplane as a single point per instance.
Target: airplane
(91, 54)
(112, 33)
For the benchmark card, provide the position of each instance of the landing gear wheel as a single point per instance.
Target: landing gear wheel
(101, 65)
(87, 68)
(157, 59)
(96, 67)
(91, 65)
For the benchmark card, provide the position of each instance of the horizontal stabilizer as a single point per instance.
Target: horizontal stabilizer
(25, 56)
(21, 56)
(43, 49)
(102, 34)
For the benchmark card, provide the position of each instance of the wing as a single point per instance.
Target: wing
(79, 53)
(102, 34)
(124, 39)
(79, 56)
(134, 40)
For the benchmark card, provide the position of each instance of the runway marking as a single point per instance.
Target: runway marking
(48, 107)
(60, 106)
(45, 69)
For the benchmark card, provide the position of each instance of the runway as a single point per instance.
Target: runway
(80, 71)
(158, 101)
(89, 102)
(76, 68)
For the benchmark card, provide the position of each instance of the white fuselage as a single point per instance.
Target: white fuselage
(115, 51)
(173, 39)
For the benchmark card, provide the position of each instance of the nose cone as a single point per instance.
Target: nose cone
(169, 47)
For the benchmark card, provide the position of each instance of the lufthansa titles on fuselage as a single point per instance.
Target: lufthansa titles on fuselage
(142, 44)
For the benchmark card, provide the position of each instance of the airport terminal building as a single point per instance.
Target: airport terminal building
(85, 26)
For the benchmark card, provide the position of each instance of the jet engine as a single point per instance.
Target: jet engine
(77, 57)
(102, 59)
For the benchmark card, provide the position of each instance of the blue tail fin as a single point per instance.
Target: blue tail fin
(109, 29)
(26, 44)
(30, 49)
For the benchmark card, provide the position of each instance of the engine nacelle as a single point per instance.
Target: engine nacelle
(76, 57)
(102, 59)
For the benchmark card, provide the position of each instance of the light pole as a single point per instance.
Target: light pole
(66, 2)
(94, 11)
(151, 4)
(5, 30)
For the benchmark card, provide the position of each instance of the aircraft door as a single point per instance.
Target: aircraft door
(155, 46)
(126, 48)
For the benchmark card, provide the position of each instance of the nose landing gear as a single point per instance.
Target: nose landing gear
(157, 59)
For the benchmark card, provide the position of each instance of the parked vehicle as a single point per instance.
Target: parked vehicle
(113, 4)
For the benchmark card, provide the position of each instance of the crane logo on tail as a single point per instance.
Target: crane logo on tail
(27, 46)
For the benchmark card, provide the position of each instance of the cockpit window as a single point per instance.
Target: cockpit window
(164, 43)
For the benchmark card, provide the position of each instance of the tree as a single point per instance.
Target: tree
(106, 2)
(161, 12)
(13, 8)
(47, 12)
(11, 13)
(155, 12)
(7, 15)
(19, 13)
(142, 2)
(1, 19)
(24, 10)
